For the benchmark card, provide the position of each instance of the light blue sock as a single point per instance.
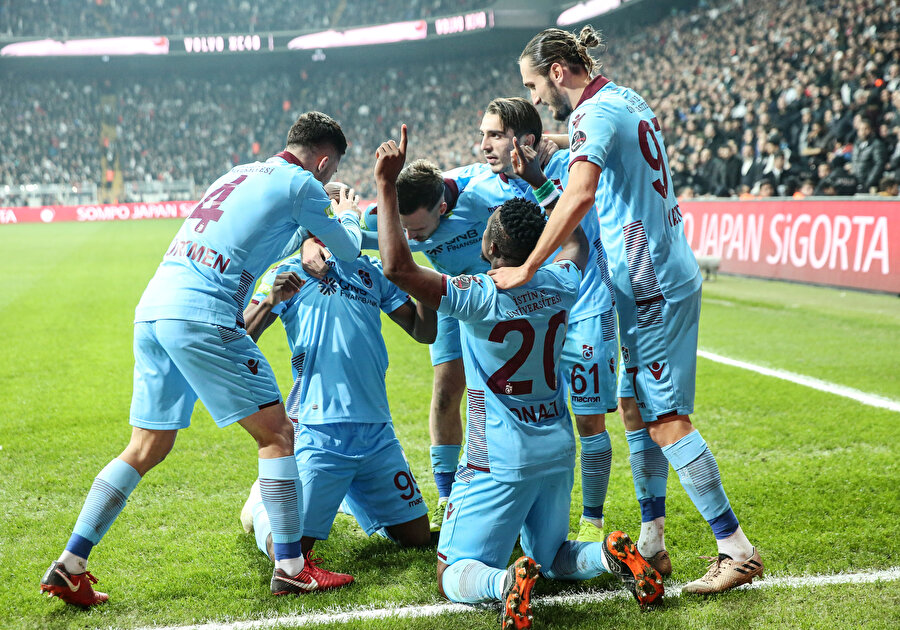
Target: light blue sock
(471, 582)
(577, 561)
(699, 474)
(106, 498)
(279, 486)
(650, 472)
(596, 460)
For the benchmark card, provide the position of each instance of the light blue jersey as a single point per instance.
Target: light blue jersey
(334, 329)
(518, 423)
(649, 257)
(246, 220)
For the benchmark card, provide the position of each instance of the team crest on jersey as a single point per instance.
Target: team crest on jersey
(464, 282)
(612, 366)
(587, 352)
(365, 277)
(508, 389)
(327, 286)
(626, 356)
(656, 369)
(578, 139)
(577, 119)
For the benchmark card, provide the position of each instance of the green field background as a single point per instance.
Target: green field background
(813, 477)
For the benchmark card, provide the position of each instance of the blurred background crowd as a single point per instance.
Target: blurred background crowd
(756, 99)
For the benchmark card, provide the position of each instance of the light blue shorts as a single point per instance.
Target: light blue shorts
(446, 346)
(659, 362)
(177, 361)
(361, 461)
(588, 364)
(484, 518)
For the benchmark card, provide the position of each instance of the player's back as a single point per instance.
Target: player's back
(640, 220)
(241, 226)
(518, 422)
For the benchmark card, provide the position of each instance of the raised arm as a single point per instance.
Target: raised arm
(574, 203)
(426, 285)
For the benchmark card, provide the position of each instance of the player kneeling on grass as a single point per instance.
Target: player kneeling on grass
(517, 474)
(344, 440)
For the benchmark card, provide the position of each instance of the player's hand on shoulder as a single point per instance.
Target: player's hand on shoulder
(510, 277)
(285, 286)
(526, 164)
(390, 157)
(314, 258)
(347, 201)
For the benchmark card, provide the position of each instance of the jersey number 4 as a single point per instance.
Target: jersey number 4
(654, 156)
(208, 209)
(500, 381)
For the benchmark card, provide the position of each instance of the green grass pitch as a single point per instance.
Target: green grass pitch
(813, 477)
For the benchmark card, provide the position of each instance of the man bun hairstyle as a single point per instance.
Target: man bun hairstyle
(516, 228)
(518, 114)
(554, 45)
(420, 184)
(315, 129)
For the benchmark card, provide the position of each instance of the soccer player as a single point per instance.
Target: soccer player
(517, 473)
(189, 342)
(344, 439)
(618, 161)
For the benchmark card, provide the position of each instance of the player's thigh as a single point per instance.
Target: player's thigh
(660, 359)
(547, 523)
(588, 364)
(161, 399)
(483, 518)
(446, 346)
(223, 366)
(384, 491)
(328, 457)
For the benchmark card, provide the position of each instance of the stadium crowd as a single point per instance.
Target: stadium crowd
(104, 18)
(783, 97)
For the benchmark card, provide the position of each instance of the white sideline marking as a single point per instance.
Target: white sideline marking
(807, 381)
(432, 610)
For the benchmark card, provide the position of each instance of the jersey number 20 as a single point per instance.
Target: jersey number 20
(501, 381)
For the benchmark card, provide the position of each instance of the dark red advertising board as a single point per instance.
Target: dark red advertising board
(844, 243)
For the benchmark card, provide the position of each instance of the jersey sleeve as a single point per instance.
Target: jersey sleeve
(467, 297)
(592, 136)
(341, 235)
(566, 274)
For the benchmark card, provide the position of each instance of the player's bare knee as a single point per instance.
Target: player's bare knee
(147, 448)
(668, 430)
(590, 425)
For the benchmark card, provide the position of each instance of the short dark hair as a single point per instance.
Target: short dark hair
(517, 114)
(554, 45)
(315, 129)
(516, 227)
(420, 184)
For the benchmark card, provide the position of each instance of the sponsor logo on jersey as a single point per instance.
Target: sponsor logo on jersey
(656, 369)
(366, 279)
(626, 355)
(577, 119)
(587, 352)
(578, 139)
(327, 286)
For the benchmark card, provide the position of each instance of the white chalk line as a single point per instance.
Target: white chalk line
(587, 597)
(872, 400)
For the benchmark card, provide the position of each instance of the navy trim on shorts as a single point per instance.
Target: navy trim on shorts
(269, 404)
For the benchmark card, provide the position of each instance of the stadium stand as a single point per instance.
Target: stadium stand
(103, 18)
(769, 104)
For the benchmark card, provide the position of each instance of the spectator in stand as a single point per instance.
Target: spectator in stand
(868, 158)
(781, 175)
(839, 182)
(751, 166)
(889, 186)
